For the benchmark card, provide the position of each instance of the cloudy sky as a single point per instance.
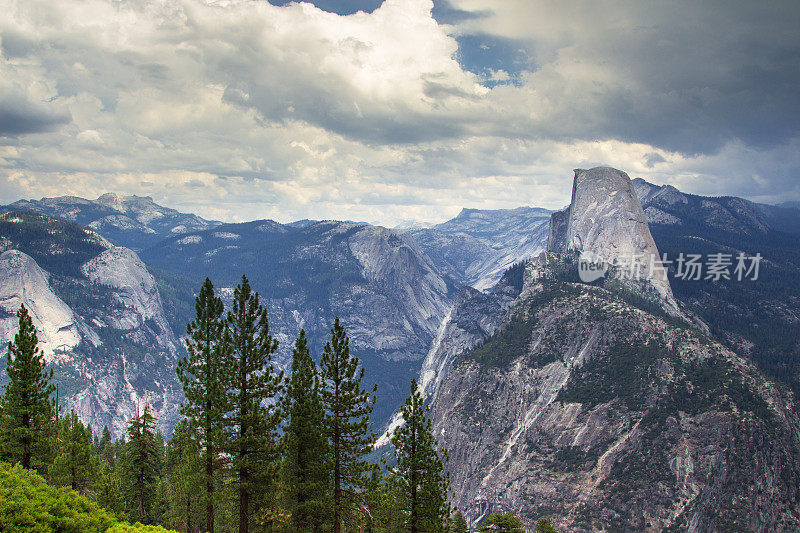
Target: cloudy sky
(394, 110)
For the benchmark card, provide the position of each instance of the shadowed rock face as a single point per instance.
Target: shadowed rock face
(606, 219)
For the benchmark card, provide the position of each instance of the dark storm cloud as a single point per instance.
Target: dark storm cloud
(683, 76)
(19, 116)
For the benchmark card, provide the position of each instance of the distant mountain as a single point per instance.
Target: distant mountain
(388, 294)
(135, 222)
(98, 315)
(592, 406)
(477, 246)
(758, 319)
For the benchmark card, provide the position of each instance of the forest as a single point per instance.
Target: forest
(255, 450)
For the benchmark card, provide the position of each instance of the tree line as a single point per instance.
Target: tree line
(255, 450)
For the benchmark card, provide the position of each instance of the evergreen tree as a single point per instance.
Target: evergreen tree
(545, 526)
(74, 464)
(503, 523)
(202, 374)
(27, 405)
(141, 467)
(106, 450)
(305, 446)
(254, 387)
(382, 499)
(109, 490)
(185, 478)
(459, 524)
(348, 407)
(424, 483)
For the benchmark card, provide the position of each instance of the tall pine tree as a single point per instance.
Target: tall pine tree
(203, 375)
(347, 407)
(255, 386)
(424, 483)
(304, 474)
(459, 524)
(141, 467)
(27, 406)
(185, 475)
(74, 465)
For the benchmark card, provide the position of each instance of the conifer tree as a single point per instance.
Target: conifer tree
(27, 405)
(459, 524)
(503, 523)
(347, 407)
(74, 464)
(109, 489)
(203, 376)
(141, 467)
(185, 478)
(254, 387)
(424, 483)
(106, 450)
(381, 498)
(305, 446)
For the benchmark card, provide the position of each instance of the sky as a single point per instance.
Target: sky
(397, 110)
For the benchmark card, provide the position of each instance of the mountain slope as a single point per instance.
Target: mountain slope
(135, 222)
(99, 314)
(759, 319)
(386, 292)
(593, 406)
(600, 415)
(477, 246)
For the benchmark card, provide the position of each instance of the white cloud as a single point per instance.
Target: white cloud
(240, 110)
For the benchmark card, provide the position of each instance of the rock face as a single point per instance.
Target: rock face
(134, 292)
(23, 282)
(387, 293)
(588, 410)
(473, 316)
(98, 315)
(606, 219)
(477, 246)
(757, 318)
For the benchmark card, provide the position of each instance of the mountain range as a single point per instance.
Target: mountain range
(660, 404)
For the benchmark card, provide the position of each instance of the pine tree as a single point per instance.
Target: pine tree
(422, 477)
(141, 467)
(503, 523)
(27, 405)
(74, 464)
(305, 446)
(255, 386)
(545, 526)
(106, 450)
(381, 498)
(185, 478)
(459, 524)
(348, 407)
(109, 489)
(203, 376)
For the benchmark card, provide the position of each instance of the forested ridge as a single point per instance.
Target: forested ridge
(256, 450)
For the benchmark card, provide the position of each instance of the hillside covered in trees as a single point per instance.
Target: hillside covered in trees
(256, 450)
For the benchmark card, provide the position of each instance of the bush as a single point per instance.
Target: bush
(29, 504)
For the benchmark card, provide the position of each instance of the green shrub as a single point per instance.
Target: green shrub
(29, 505)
